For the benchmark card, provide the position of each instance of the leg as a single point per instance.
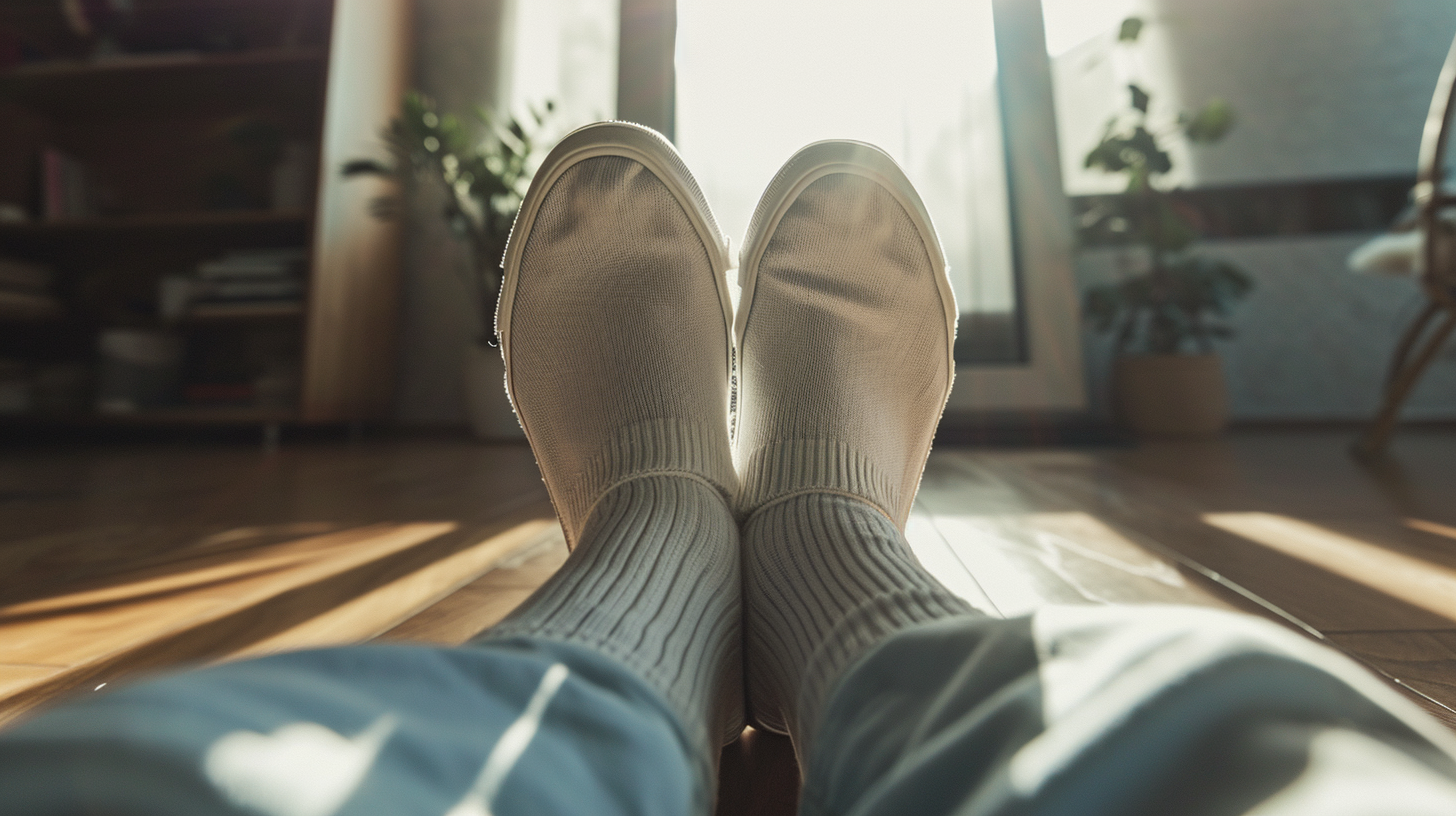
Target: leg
(1122, 710)
(845, 337)
(611, 689)
(1402, 381)
(1408, 339)
(519, 727)
(898, 698)
(614, 325)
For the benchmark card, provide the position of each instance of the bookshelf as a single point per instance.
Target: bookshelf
(167, 81)
(192, 147)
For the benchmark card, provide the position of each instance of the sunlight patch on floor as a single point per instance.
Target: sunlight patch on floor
(1420, 583)
(1017, 563)
(376, 611)
(1431, 527)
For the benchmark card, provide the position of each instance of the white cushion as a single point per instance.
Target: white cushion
(1390, 253)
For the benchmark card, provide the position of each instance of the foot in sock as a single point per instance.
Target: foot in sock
(614, 328)
(844, 341)
(613, 319)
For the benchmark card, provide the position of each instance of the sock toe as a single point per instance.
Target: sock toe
(617, 346)
(844, 349)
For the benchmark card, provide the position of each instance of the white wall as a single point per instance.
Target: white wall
(457, 61)
(1323, 89)
(1313, 340)
(495, 54)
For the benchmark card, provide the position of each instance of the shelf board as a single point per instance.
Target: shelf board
(85, 236)
(16, 307)
(237, 312)
(143, 83)
(166, 61)
(199, 416)
(205, 219)
(183, 415)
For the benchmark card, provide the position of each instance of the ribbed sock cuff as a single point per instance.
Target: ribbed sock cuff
(859, 631)
(826, 578)
(656, 446)
(654, 584)
(787, 467)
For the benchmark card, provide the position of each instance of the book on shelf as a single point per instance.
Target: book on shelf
(240, 284)
(251, 275)
(245, 309)
(216, 291)
(25, 290)
(64, 187)
(255, 263)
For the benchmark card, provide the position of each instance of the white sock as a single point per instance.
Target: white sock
(844, 352)
(825, 578)
(612, 320)
(613, 324)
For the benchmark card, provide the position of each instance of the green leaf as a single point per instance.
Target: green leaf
(1169, 307)
(1143, 143)
(484, 179)
(1130, 29)
(1107, 156)
(1210, 124)
(1140, 97)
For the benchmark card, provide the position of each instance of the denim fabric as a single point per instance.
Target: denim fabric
(361, 730)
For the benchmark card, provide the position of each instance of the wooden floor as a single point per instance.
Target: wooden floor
(119, 560)
(1280, 524)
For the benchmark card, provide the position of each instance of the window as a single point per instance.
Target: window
(758, 79)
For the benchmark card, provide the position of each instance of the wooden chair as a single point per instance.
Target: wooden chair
(1436, 219)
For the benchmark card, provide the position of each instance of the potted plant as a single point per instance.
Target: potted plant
(484, 181)
(1166, 308)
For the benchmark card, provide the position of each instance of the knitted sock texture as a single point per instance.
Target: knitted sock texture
(844, 359)
(654, 584)
(825, 578)
(618, 345)
(844, 367)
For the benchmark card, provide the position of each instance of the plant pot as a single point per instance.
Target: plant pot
(1170, 395)
(486, 403)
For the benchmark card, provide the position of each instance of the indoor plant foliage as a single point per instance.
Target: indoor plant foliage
(483, 180)
(1175, 302)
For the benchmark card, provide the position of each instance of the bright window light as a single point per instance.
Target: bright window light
(758, 79)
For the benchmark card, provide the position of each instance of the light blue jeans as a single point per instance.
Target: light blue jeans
(1118, 710)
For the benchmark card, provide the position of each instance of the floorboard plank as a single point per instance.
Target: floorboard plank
(1424, 660)
(1364, 557)
(1026, 548)
(377, 611)
(939, 557)
(1303, 591)
(485, 601)
(15, 678)
(105, 640)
